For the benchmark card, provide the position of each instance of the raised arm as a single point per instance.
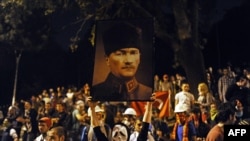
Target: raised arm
(148, 112)
(147, 117)
(94, 121)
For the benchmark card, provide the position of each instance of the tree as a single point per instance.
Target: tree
(177, 23)
(23, 27)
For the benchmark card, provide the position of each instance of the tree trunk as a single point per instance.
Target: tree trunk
(187, 48)
(18, 57)
(191, 60)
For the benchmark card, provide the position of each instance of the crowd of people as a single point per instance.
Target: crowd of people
(71, 115)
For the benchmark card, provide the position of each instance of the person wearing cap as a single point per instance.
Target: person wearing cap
(78, 116)
(105, 128)
(184, 129)
(122, 45)
(129, 118)
(44, 125)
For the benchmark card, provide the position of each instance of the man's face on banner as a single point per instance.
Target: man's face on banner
(123, 63)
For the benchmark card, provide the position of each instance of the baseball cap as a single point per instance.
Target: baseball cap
(97, 109)
(46, 120)
(179, 108)
(130, 111)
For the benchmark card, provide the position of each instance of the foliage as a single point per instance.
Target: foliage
(16, 30)
(24, 24)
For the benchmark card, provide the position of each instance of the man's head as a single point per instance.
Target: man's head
(138, 125)
(122, 43)
(48, 105)
(225, 71)
(56, 134)
(165, 77)
(226, 113)
(12, 110)
(44, 124)
(241, 80)
(80, 106)
(27, 105)
(60, 106)
(196, 113)
(185, 87)
(99, 112)
(6, 122)
(129, 116)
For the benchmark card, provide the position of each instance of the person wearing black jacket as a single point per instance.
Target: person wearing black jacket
(8, 131)
(239, 91)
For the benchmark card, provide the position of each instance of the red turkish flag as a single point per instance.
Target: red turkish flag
(139, 107)
(161, 102)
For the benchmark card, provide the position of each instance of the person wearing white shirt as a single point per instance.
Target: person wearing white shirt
(184, 97)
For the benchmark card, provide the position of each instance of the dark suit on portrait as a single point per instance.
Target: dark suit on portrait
(115, 89)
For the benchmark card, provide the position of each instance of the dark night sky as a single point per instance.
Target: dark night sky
(228, 41)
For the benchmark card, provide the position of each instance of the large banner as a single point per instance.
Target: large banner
(123, 67)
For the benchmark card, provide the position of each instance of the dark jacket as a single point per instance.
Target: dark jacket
(240, 93)
(114, 89)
